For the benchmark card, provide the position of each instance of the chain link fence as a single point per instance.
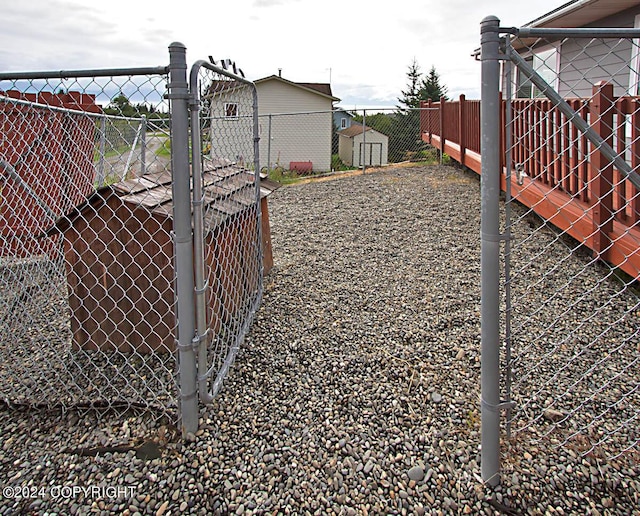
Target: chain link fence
(130, 236)
(569, 309)
(299, 144)
(86, 296)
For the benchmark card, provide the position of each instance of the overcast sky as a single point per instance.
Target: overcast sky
(363, 47)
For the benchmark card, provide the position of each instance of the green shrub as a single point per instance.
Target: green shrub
(338, 165)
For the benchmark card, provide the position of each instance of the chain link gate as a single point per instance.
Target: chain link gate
(107, 302)
(567, 302)
(227, 216)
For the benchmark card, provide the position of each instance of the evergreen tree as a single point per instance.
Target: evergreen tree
(411, 98)
(405, 142)
(430, 88)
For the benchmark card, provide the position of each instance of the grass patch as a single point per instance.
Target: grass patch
(164, 151)
(285, 177)
(337, 165)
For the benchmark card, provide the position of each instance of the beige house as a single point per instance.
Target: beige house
(296, 121)
(358, 146)
(572, 66)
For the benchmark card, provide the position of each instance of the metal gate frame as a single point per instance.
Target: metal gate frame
(202, 330)
(492, 55)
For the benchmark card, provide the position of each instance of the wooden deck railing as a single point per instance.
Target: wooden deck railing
(568, 181)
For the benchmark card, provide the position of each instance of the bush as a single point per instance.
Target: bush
(337, 164)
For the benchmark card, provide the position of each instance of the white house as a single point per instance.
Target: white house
(573, 66)
(296, 122)
(228, 114)
(360, 145)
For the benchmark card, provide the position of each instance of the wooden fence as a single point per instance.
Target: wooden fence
(568, 181)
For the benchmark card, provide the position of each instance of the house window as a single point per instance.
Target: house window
(343, 123)
(231, 110)
(545, 63)
(523, 82)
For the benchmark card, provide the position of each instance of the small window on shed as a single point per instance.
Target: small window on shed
(343, 123)
(231, 110)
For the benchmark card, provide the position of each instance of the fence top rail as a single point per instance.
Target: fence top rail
(195, 69)
(77, 74)
(59, 109)
(580, 32)
(437, 104)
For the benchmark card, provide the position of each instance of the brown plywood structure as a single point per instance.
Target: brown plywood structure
(47, 148)
(119, 258)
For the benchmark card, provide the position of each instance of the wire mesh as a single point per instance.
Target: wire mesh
(299, 144)
(573, 308)
(86, 274)
(227, 212)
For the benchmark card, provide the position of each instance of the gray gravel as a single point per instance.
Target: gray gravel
(357, 391)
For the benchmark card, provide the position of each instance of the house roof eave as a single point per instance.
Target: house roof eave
(580, 13)
(303, 86)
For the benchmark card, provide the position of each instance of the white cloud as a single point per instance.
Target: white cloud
(365, 47)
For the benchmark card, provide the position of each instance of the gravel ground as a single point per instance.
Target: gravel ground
(357, 391)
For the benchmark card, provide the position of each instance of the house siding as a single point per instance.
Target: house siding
(580, 70)
(338, 116)
(276, 97)
(345, 150)
(232, 137)
(300, 122)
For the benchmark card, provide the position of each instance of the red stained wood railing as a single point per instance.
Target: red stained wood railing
(576, 187)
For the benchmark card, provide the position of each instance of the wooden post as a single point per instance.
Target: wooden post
(429, 124)
(634, 193)
(601, 112)
(442, 138)
(462, 121)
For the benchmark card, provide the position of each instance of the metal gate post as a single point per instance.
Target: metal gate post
(364, 141)
(269, 148)
(490, 250)
(143, 145)
(100, 177)
(183, 236)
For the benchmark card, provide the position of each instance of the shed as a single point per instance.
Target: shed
(119, 258)
(358, 145)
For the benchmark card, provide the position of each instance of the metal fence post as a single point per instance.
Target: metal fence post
(269, 147)
(143, 145)
(490, 250)
(364, 141)
(183, 237)
(103, 138)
